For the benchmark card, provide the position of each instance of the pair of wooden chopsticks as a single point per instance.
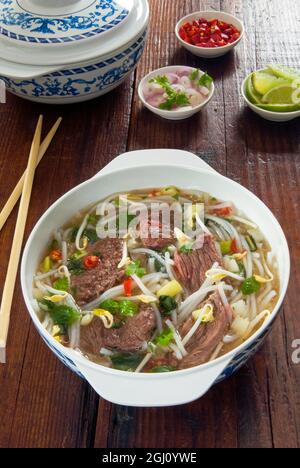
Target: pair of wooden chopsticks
(23, 189)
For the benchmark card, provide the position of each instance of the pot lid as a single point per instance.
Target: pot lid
(47, 32)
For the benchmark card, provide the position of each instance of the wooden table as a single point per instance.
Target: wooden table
(42, 404)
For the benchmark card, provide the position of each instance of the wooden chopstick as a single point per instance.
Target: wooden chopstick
(12, 269)
(15, 195)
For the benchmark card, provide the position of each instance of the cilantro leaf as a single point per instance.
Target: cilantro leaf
(61, 314)
(134, 268)
(62, 284)
(194, 75)
(205, 80)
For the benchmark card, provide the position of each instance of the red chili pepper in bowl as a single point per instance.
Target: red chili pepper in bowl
(55, 255)
(91, 261)
(209, 33)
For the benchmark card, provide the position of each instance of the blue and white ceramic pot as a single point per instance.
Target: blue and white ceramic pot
(66, 51)
(167, 167)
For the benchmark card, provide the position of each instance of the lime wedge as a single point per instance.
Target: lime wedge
(263, 82)
(284, 72)
(252, 95)
(279, 107)
(279, 95)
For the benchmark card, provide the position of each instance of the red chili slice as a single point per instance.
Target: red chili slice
(212, 33)
(91, 261)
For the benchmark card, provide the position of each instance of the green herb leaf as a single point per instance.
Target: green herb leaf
(205, 80)
(128, 308)
(187, 248)
(164, 338)
(250, 286)
(73, 234)
(62, 284)
(93, 219)
(126, 361)
(167, 304)
(91, 234)
(61, 314)
(175, 98)
(195, 74)
(134, 268)
(165, 368)
(75, 266)
(112, 306)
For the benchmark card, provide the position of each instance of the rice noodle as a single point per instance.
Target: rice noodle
(264, 293)
(222, 294)
(74, 334)
(106, 352)
(267, 299)
(169, 262)
(220, 206)
(220, 271)
(177, 338)
(41, 276)
(194, 328)
(253, 307)
(236, 298)
(58, 236)
(263, 315)
(243, 221)
(124, 255)
(141, 285)
(227, 339)
(177, 353)
(201, 224)
(158, 318)
(151, 265)
(143, 363)
(64, 252)
(80, 232)
(174, 317)
(258, 265)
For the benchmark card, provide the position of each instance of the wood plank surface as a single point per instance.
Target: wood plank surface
(43, 404)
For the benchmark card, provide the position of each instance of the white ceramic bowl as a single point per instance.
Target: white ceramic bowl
(265, 114)
(153, 389)
(210, 14)
(180, 114)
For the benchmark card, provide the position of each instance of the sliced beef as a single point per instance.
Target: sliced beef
(192, 266)
(129, 338)
(156, 235)
(208, 336)
(91, 283)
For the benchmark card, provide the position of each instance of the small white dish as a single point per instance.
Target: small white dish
(179, 114)
(265, 114)
(210, 14)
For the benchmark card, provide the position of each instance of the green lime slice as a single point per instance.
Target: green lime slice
(264, 82)
(284, 72)
(251, 94)
(280, 95)
(279, 107)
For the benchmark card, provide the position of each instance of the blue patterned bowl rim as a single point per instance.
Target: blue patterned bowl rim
(98, 17)
(101, 29)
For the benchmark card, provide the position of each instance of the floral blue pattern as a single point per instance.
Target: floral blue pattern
(60, 84)
(102, 16)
